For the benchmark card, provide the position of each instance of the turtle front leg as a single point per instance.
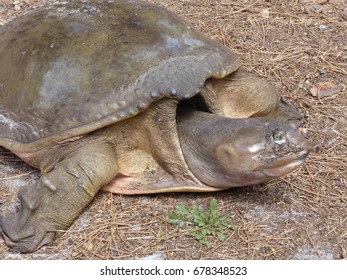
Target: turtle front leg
(242, 95)
(50, 206)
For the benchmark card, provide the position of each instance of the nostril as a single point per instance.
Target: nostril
(311, 147)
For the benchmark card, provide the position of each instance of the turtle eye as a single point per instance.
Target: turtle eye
(279, 136)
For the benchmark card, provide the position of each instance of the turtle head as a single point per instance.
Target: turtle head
(224, 152)
(257, 154)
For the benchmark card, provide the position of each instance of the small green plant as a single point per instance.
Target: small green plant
(202, 223)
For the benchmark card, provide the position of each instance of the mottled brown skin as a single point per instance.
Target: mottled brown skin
(242, 95)
(224, 153)
(102, 103)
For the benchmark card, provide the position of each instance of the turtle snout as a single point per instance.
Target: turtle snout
(311, 146)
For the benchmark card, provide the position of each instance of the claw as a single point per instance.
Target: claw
(47, 183)
(29, 197)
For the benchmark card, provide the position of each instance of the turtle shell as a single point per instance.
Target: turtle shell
(73, 67)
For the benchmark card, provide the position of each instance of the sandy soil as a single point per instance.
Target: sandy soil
(301, 48)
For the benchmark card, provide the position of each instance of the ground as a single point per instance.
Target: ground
(301, 48)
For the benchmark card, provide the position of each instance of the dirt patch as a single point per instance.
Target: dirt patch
(300, 48)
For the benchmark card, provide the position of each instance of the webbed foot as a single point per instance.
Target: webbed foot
(25, 231)
(50, 207)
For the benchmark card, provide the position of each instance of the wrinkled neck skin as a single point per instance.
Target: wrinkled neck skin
(223, 152)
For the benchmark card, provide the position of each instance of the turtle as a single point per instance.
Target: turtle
(127, 97)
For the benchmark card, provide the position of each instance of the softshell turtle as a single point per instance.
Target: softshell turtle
(124, 95)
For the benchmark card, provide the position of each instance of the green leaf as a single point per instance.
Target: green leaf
(173, 216)
(198, 235)
(182, 209)
(206, 232)
(234, 228)
(205, 242)
(202, 223)
(220, 236)
(213, 206)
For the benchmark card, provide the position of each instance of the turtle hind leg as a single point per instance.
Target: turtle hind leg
(242, 95)
(57, 199)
